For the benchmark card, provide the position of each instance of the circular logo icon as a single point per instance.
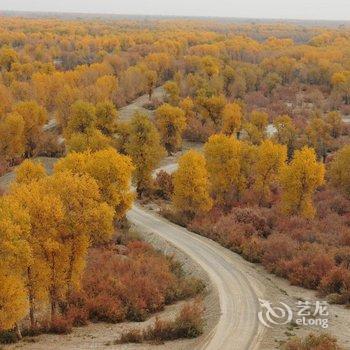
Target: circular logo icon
(270, 315)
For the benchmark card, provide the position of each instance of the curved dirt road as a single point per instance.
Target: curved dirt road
(238, 327)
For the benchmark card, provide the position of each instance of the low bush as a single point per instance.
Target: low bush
(8, 337)
(60, 325)
(306, 252)
(313, 342)
(189, 323)
(164, 185)
(129, 286)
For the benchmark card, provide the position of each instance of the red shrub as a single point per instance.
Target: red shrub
(60, 325)
(308, 266)
(336, 281)
(252, 249)
(164, 185)
(131, 286)
(278, 248)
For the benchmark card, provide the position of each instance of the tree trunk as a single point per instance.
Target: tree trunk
(18, 331)
(31, 298)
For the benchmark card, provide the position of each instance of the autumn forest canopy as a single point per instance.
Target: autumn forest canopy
(268, 108)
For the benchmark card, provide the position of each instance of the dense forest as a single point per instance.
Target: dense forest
(270, 103)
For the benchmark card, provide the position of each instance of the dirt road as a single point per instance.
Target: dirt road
(238, 326)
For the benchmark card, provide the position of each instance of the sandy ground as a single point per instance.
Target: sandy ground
(6, 180)
(102, 336)
(128, 111)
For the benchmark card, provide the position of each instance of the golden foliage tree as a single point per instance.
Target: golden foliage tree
(87, 218)
(285, 133)
(145, 149)
(44, 274)
(34, 117)
(228, 162)
(191, 185)
(232, 119)
(256, 127)
(173, 92)
(29, 171)
(106, 117)
(111, 171)
(270, 159)
(93, 140)
(15, 253)
(299, 180)
(171, 123)
(82, 119)
(12, 138)
(339, 170)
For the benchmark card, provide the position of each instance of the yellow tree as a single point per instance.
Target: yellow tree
(173, 92)
(318, 135)
(6, 100)
(214, 107)
(44, 274)
(106, 117)
(29, 171)
(105, 88)
(12, 139)
(335, 123)
(15, 253)
(256, 127)
(187, 105)
(232, 119)
(93, 140)
(339, 170)
(151, 80)
(87, 219)
(191, 185)
(270, 159)
(64, 100)
(145, 150)
(171, 123)
(111, 171)
(299, 180)
(228, 163)
(82, 119)
(285, 133)
(34, 117)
